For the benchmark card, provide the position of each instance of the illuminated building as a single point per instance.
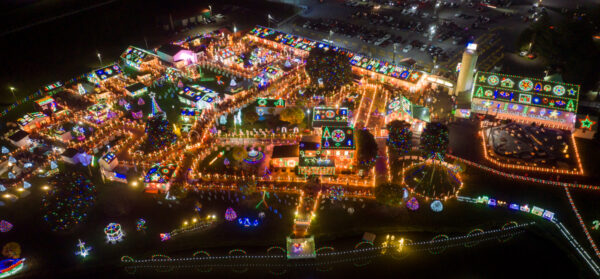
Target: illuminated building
(19, 138)
(197, 96)
(32, 120)
(136, 90)
(137, 58)
(104, 74)
(176, 55)
(526, 100)
(47, 105)
(109, 161)
(285, 157)
(397, 75)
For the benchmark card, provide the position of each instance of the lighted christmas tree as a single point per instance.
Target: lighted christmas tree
(159, 132)
(399, 135)
(230, 214)
(69, 200)
(328, 69)
(434, 140)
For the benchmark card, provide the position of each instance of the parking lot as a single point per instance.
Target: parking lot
(429, 35)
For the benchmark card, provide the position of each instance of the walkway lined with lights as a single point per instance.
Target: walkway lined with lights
(526, 178)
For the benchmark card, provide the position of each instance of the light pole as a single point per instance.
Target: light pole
(269, 20)
(100, 58)
(12, 90)
(431, 32)
(395, 49)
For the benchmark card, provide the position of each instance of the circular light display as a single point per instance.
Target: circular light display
(559, 90)
(489, 93)
(338, 135)
(437, 206)
(547, 88)
(525, 85)
(262, 102)
(493, 80)
(394, 104)
(330, 114)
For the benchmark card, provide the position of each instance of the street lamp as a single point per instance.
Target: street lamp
(269, 19)
(395, 49)
(12, 90)
(431, 32)
(100, 58)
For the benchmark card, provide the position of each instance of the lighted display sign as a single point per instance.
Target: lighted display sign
(160, 173)
(191, 112)
(530, 92)
(53, 86)
(330, 115)
(399, 104)
(109, 157)
(264, 102)
(337, 138)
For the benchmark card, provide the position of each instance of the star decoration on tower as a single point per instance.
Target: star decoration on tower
(587, 123)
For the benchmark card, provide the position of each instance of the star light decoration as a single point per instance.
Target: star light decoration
(587, 123)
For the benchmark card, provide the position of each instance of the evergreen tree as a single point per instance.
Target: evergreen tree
(160, 133)
(399, 135)
(434, 139)
(328, 69)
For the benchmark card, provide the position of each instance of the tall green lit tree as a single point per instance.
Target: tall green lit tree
(399, 136)
(328, 69)
(160, 133)
(434, 140)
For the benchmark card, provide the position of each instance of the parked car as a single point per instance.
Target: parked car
(407, 48)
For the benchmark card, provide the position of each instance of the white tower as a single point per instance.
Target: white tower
(467, 69)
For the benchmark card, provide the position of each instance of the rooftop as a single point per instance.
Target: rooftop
(285, 151)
